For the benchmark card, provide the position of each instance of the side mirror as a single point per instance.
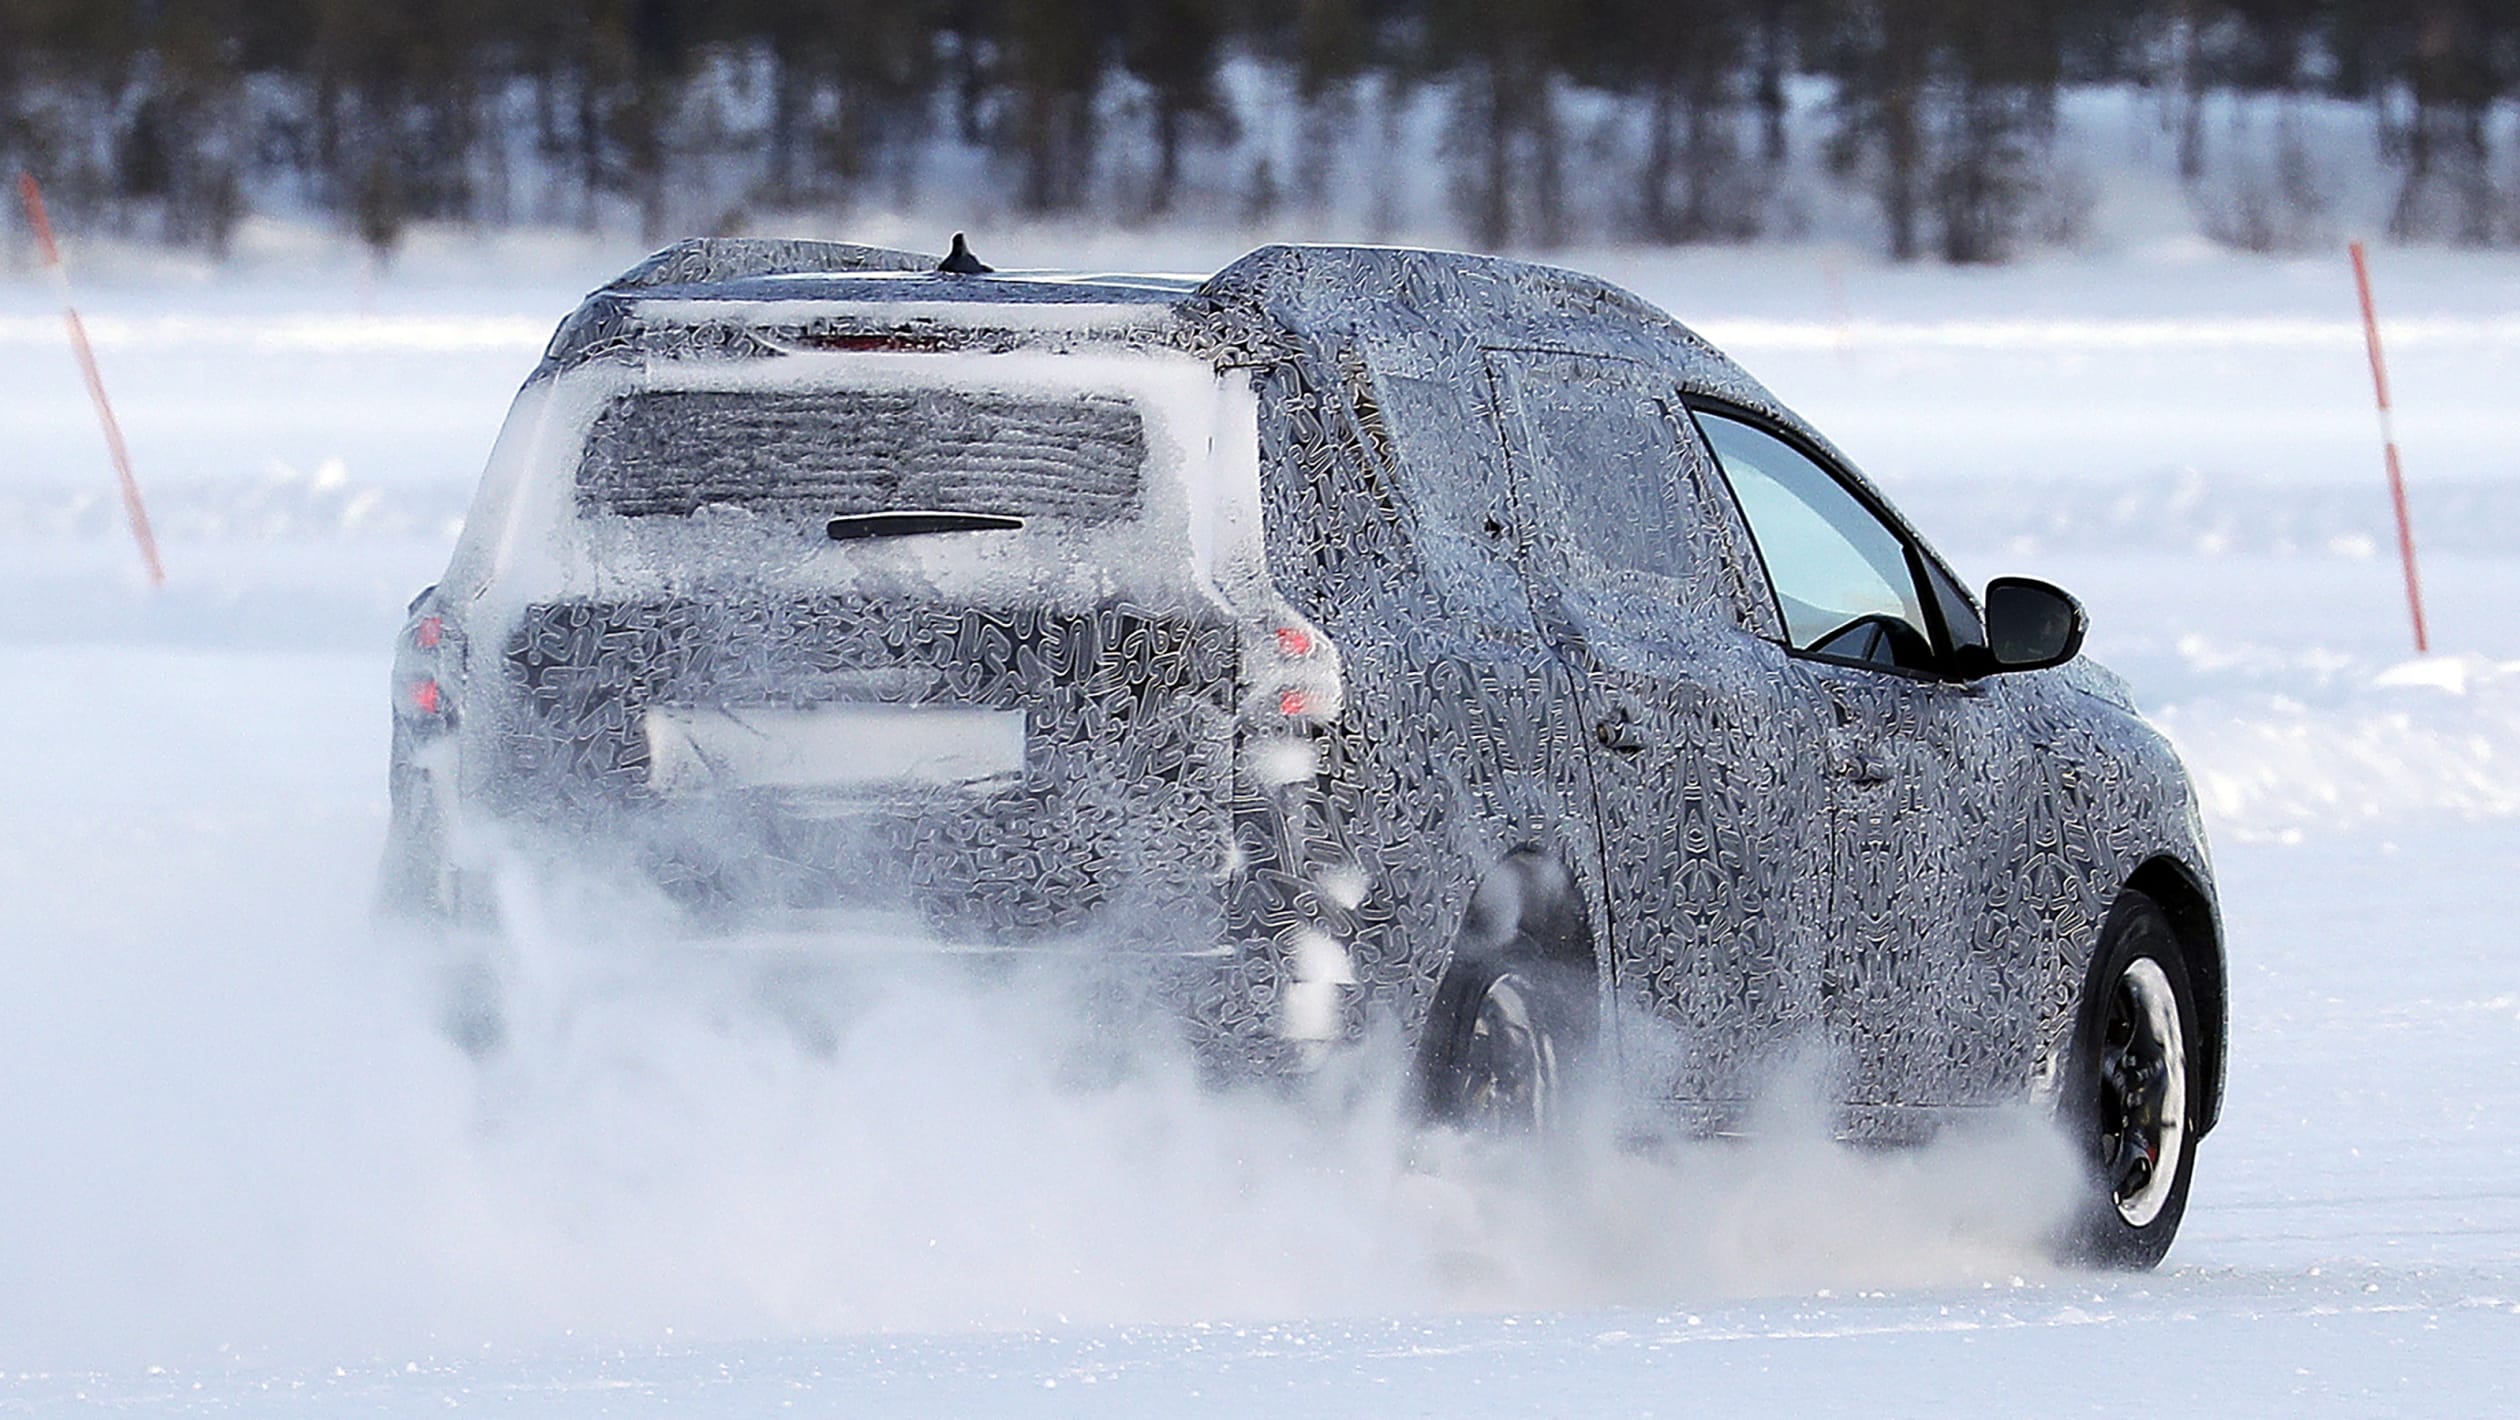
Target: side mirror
(2031, 625)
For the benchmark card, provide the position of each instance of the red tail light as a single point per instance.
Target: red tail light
(1294, 641)
(428, 673)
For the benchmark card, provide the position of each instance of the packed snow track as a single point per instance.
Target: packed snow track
(245, 1174)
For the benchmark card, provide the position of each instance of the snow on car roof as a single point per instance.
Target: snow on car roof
(745, 296)
(1008, 287)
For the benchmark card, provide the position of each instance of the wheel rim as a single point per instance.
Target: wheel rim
(1508, 1063)
(2143, 1093)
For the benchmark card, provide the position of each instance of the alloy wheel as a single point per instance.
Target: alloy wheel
(2143, 1093)
(1508, 1063)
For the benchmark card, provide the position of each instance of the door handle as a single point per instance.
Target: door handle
(1618, 731)
(1857, 766)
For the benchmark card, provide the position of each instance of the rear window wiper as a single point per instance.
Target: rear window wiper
(850, 526)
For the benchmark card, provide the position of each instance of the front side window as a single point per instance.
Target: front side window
(1842, 577)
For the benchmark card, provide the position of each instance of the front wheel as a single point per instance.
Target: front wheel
(2132, 1091)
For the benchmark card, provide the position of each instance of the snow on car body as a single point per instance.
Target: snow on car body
(1331, 630)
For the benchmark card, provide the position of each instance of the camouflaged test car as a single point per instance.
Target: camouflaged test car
(1351, 636)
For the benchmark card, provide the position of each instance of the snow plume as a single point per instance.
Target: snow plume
(259, 1145)
(231, 1121)
(1606, 1219)
(925, 1149)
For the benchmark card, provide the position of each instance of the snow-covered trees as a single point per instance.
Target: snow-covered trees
(1658, 120)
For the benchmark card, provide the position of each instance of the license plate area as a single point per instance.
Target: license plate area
(714, 749)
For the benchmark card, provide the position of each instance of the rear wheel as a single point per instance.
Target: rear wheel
(448, 913)
(2132, 1091)
(1513, 1017)
(472, 1008)
(1500, 1047)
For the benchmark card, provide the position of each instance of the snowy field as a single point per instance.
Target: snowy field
(241, 1175)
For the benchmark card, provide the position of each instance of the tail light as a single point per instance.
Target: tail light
(427, 660)
(1291, 687)
(1290, 674)
(1293, 690)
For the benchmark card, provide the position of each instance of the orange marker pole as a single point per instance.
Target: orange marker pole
(132, 506)
(2388, 443)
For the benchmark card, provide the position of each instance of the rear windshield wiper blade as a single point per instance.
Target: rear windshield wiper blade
(851, 526)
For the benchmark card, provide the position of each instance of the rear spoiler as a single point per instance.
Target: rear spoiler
(707, 259)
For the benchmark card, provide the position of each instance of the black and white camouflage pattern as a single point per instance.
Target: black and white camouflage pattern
(1783, 855)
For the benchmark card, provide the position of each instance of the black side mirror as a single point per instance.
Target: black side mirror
(2031, 625)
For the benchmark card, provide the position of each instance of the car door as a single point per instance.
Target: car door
(1925, 1005)
(1706, 821)
(1455, 745)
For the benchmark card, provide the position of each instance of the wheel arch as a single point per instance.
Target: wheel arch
(2186, 900)
(1528, 905)
(1530, 902)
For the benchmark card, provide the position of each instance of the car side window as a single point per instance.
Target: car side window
(1605, 452)
(1844, 580)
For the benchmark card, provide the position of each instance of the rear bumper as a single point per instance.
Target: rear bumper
(1016, 870)
(859, 934)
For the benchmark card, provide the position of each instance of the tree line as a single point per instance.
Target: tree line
(174, 120)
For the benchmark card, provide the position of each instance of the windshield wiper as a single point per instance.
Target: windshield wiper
(851, 526)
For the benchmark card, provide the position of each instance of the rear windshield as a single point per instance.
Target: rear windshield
(829, 453)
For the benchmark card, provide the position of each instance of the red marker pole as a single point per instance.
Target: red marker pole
(132, 506)
(2388, 442)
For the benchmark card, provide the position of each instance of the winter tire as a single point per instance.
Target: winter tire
(2132, 1091)
(1504, 1037)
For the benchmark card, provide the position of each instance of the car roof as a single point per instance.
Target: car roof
(753, 269)
(1019, 287)
(1435, 309)
(1285, 289)
(1401, 301)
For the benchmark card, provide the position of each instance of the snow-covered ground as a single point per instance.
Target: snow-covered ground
(239, 1173)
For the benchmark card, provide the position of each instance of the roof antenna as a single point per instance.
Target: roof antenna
(960, 261)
